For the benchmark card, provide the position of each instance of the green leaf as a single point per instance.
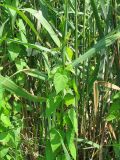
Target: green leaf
(14, 51)
(70, 141)
(49, 155)
(3, 38)
(104, 8)
(55, 139)
(5, 120)
(61, 157)
(97, 18)
(73, 118)
(34, 46)
(4, 137)
(21, 26)
(116, 147)
(69, 99)
(24, 17)
(31, 72)
(110, 117)
(53, 102)
(65, 151)
(12, 12)
(72, 4)
(20, 64)
(114, 112)
(95, 145)
(60, 81)
(1, 92)
(117, 96)
(103, 43)
(2, 28)
(12, 87)
(37, 74)
(69, 52)
(44, 22)
(3, 152)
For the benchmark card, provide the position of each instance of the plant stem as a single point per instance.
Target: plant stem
(76, 56)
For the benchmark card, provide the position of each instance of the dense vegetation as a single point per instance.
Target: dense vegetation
(59, 80)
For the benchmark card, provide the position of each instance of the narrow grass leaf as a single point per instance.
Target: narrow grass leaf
(34, 46)
(103, 43)
(97, 18)
(95, 145)
(31, 25)
(37, 74)
(12, 87)
(44, 22)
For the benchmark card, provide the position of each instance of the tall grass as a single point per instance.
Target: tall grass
(59, 80)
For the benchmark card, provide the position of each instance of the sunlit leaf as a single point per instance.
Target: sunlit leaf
(103, 43)
(5, 120)
(60, 81)
(55, 139)
(3, 152)
(44, 22)
(73, 118)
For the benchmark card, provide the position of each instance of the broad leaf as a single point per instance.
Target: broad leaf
(53, 102)
(3, 152)
(70, 140)
(55, 139)
(69, 99)
(4, 137)
(5, 120)
(14, 51)
(60, 81)
(65, 151)
(48, 152)
(73, 118)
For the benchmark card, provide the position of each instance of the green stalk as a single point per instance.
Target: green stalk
(83, 75)
(97, 18)
(76, 56)
(65, 32)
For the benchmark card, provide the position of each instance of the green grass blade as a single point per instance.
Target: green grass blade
(38, 15)
(34, 46)
(103, 43)
(12, 87)
(97, 18)
(34, 73)
(95, 145)
(31, 25)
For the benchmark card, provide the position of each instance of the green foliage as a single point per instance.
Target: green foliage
(114, 109)
(52, 55)
(60, 81)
